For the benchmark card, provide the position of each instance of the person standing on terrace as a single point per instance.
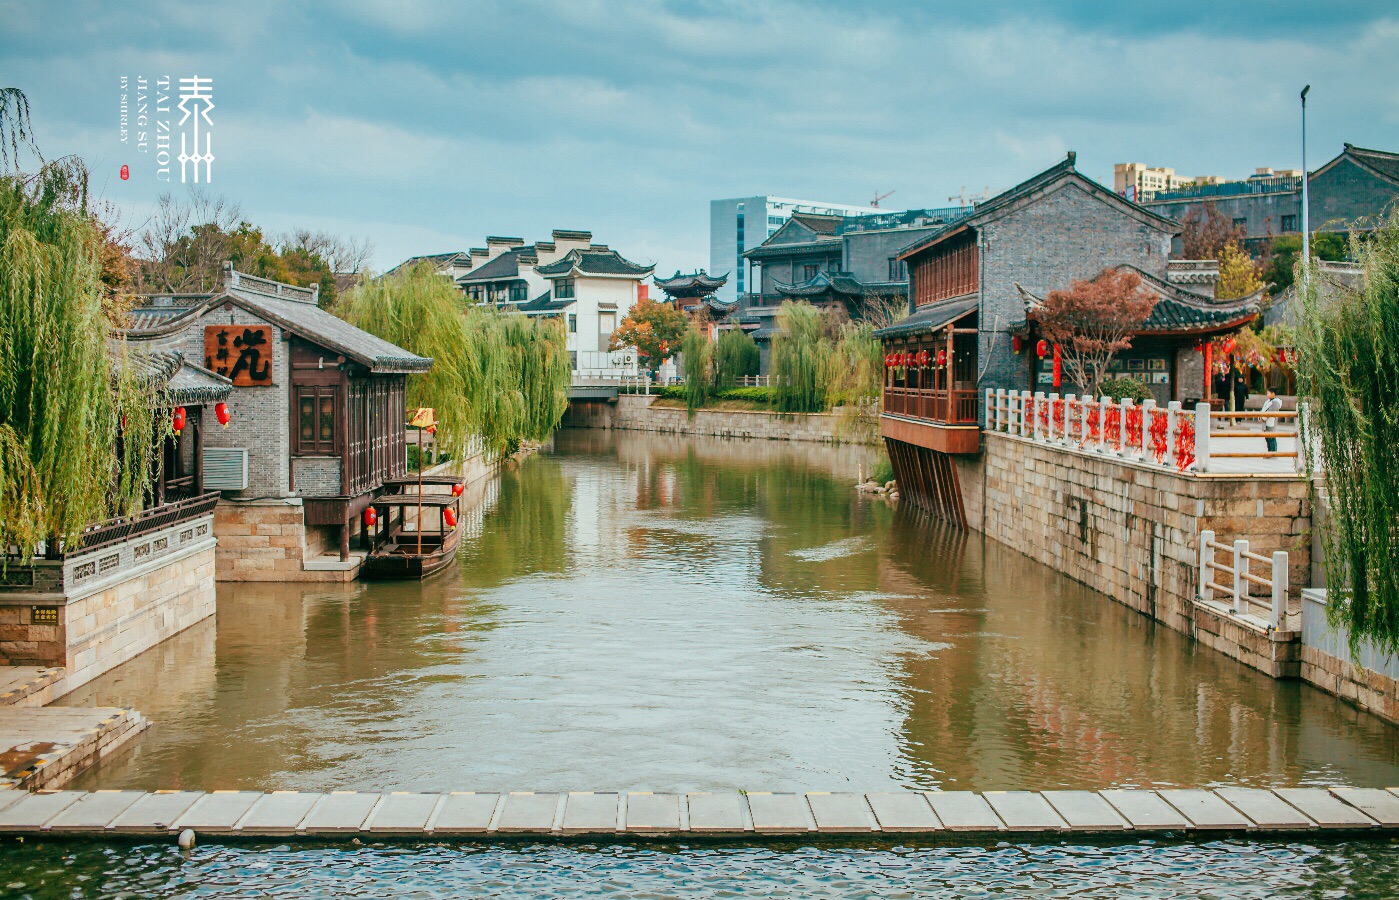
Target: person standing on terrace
(1270, 424)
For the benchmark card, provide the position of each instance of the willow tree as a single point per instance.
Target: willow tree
(801, 358)
(77, 433)
(697, 355)
(856, 379)
(1348, 367)
(497, 379)
(735, 356)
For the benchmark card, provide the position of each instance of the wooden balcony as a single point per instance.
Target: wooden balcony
(936, 419)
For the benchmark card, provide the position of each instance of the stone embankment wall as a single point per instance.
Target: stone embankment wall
(637, 413)
(1131, 531)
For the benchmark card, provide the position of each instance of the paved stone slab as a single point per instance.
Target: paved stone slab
(1025, 811)
(589, 812)
(11, 795)
(30, 813)
(1324, 809)
(465, 812)
(1145, 811)
(1205, 810)
(840, 812)
(1266, 809)
(653, 812)
(1380, 805)
(94, 811)
(1086, 811)
(528, 812)
(963, 811)
(279, 812)
(217, 812)
(778, 813)
(340, 812)
(716, 811)
(154, 813)
(902, 811)
(402, 812)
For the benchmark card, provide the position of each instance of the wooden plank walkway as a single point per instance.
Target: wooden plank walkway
(999, 814)
(46, 747)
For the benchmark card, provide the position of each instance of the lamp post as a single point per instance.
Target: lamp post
(1306, 220)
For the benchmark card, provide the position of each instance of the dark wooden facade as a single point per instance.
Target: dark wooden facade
(949, 269)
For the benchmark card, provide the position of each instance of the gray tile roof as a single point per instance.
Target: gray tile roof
(593, 262)
(1179, 311)
(929, 318)
(320, 327)
(503, 267)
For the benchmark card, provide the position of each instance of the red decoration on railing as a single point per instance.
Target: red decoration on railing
(1027, 413)
(1044, 415)
(1185, 441)
(1059, 415)
(221, 413)
(178, 419)
(1134, 426)
(449, 516)
(1112, 424)
(1158, 435)
(1094, 417)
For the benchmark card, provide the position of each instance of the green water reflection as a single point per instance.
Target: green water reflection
(649, 612)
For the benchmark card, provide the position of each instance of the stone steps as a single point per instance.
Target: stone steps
(46, 747)
(345, 814)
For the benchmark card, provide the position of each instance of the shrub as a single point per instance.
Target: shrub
(1126, 389)
(761, 395)
(735, 356)
(883, 471)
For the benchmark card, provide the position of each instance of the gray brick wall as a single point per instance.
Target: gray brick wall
(317, 476)
(260, 415)
(1346, 193)
(1262, 213)
(1043, 246)
(867, 253)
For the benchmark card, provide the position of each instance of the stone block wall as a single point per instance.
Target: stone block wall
(1369, 679)
(1131, 531)
(268, 540)
(637, 413)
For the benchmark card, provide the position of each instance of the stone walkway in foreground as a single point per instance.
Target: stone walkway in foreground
(252, 814)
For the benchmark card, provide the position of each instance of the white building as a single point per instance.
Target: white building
(590, 286)
(742, 223)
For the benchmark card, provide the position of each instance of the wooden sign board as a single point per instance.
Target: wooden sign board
(242, 353)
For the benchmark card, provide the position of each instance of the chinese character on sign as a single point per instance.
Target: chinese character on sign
(240, 353)
(196, 100)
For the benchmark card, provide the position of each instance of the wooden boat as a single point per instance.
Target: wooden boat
(400, 552)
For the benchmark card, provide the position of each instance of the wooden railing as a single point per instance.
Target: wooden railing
(1237, 592)
(114, 531)
(932, 404)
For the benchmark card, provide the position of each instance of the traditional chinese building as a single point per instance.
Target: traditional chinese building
(318, 423)
(695, 290)
(969, 285)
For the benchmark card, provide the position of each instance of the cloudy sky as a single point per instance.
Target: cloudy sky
(427, 126)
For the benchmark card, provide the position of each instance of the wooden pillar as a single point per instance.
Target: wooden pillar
(947, 377)
(199, 453)
(344, 541)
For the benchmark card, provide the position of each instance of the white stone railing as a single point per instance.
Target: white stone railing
(1168, 436)
(1236, 596)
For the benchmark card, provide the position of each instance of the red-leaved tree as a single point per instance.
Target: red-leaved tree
(1094, 320)
(1206, 231)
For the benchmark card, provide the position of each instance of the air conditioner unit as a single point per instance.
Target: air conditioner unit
(225, 469)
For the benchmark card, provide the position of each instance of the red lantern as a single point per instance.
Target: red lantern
(221, 413)
(1042, 349)
(922, 357)
(888, 360)
(457, 489)
(371, 516)
(449, 516)
(942, 358)
(1199, 346)
(1017, 344)
(178, 419)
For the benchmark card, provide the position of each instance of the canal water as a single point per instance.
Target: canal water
(647, 612)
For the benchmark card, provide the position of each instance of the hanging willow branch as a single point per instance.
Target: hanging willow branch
(497, 379)
(1349, 372)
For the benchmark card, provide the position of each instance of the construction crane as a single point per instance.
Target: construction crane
(878, 196)
(965, 199)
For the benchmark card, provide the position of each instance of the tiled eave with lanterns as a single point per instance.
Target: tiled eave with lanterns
(930, 391)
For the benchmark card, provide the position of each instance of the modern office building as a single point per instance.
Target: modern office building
(742, 223)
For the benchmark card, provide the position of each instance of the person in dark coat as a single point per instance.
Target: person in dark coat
(1240, 378)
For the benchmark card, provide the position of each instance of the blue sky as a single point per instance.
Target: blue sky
(426, 126)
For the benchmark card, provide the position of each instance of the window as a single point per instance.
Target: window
(517, 292)
(1289, 223)
(809, 271)
(315, 419)
(898, 269)
(474, 292)
(606, 323)
(572, 324)
(1241, 222)
(563, 289)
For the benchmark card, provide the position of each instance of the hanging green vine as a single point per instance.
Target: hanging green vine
(1348, 370)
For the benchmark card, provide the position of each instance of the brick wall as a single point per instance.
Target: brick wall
(268, 540)
(636, 413)
(316, 476)
(1131, 531)
(1346, 193)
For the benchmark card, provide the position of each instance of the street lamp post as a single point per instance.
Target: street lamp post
(1306, 211)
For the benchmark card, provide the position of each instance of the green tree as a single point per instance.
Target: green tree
(1348, 367)
(735, 356)
(1239, 275)
(1286, 250)
(69, 395)
(654, 329)
(697, 352)
(801, 358)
